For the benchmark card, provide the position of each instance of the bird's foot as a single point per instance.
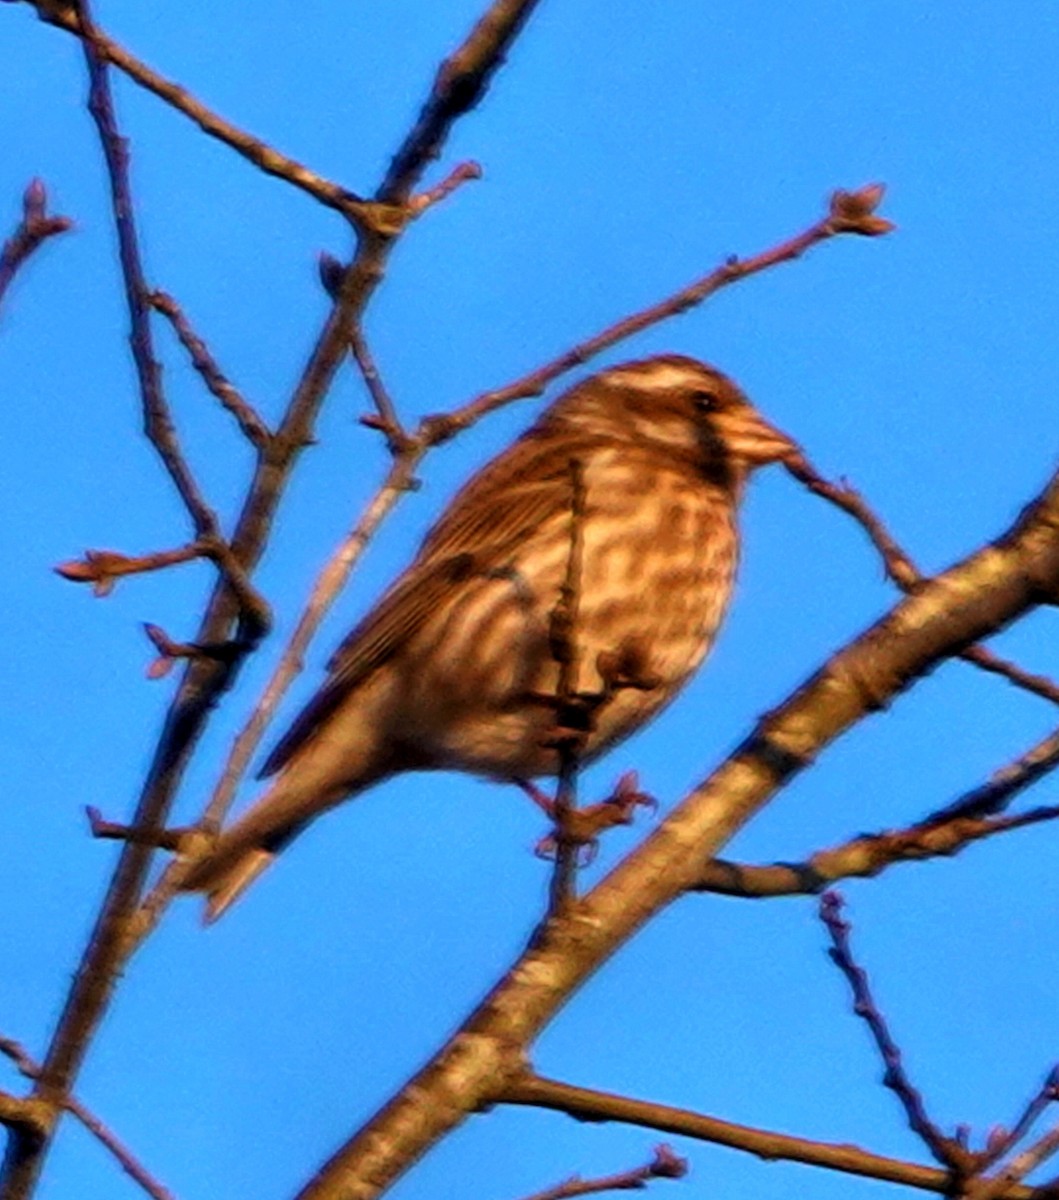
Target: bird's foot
(582, 827)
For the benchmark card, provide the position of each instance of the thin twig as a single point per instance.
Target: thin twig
(665, 1164)
(256, 151)
(572, 717)
(987, 660)
(590, 1104)
(903, 572)
(327, 586)
(102, 568)
(158, 423)
(967, 819)
(166, 839)
(1004, 784)
(860, 858)
(442, 426)
(250, 422)
(31, 233)
(387, 421)
(946, 1150)
(460, 83)
(129, 1163)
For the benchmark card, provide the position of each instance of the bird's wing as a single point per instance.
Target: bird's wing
(486, 522)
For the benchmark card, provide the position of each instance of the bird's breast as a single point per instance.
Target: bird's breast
(648, 563)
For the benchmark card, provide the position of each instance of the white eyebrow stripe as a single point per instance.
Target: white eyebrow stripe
(662, 376)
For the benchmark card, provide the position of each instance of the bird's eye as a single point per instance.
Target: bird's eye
(704, 400)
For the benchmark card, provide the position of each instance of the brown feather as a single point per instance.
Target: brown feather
(485, 524)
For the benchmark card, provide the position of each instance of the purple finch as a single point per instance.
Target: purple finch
(642, 467)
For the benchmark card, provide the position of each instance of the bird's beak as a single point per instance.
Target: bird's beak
(751, 440)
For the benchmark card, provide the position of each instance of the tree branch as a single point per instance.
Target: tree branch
(589, 1104)
(947, 831)
(902, 571)
(946, 1150)
(440, 427)
(664, 1165)
(253, 149)
(118, 932)
(36, 1116)
(254, 428)
(461, 82)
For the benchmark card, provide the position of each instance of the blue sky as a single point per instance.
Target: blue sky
(627, 149)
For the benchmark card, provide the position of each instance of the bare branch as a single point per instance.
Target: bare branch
(253, 427)
(387, 420)
(589, 1104)
(1002, 1142)
(129, 1163)
(31, 233)
(328, 585)
(438, 428)
(165, 839)
(463, 173)
(861, 857)
(461, 82)
(118, 932)
(253, 149)
(158, 423)
(904, 573)
(1004, 784)
(664, 1165)
(946, 1150)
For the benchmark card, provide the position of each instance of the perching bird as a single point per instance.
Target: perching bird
(455, 668)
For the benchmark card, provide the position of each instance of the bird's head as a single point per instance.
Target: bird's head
(689, 407)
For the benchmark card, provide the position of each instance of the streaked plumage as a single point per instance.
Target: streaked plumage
(453, 669)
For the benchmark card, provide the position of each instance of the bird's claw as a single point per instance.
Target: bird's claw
(582, 827)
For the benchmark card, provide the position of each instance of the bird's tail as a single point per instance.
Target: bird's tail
(248, 846)
(224, 886)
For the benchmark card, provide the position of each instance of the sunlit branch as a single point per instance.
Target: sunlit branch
(590, 1104)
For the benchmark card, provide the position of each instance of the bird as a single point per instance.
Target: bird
(641, 467)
